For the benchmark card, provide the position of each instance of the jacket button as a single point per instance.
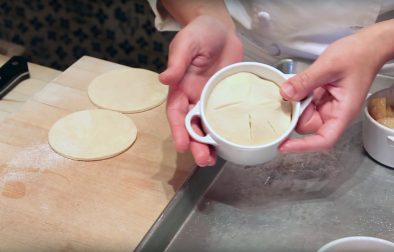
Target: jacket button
(265, 18)
(272, 49)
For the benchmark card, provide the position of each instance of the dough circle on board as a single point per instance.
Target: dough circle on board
(248, 110)
(92, 134)
(129, 90)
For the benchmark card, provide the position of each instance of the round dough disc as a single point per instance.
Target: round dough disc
(92, 134)
(127, 90)
(248, 110)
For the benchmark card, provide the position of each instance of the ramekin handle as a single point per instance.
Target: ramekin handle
(195, 111)
(390, 139)
(306, 101)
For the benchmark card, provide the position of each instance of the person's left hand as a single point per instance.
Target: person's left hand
(200, 49)
(339, 79)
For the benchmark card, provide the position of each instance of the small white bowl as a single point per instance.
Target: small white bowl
(242, 154)
(378, 140)
(358, 244)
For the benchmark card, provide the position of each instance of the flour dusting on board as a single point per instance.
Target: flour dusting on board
(29, 164)
(39, 157)
(12, 176)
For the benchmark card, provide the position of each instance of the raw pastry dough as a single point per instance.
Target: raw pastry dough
(387, 121)
(248, 110)
(127, 90)
(92, 134)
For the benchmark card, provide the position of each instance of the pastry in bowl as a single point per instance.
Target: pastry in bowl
(246, 109)
(382, 110)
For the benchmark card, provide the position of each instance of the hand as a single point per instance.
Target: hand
(339, 79)
(199, 50)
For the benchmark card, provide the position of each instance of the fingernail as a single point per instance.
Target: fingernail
(288, 89)
(211, 162)
(180, 149)
(283, 148)
(163, 78)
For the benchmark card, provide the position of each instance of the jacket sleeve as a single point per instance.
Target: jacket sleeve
(163, 20)
(239, 11)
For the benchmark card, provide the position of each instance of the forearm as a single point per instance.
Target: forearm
(184, 11)
(380, 37)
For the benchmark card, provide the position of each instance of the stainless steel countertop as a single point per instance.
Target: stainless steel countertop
(296, 202)
(293, 203)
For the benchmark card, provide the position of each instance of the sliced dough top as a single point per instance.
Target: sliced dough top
(127, 90)
(92, 134)
(248, 110)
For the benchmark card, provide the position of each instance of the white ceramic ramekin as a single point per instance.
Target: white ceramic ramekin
(378, 140)
(240, 154)
(359, 244)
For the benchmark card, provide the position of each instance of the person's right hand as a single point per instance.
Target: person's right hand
(200, 49)
(339, 81)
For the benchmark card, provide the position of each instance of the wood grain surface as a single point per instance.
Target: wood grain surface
(14, 100)
(50, 203)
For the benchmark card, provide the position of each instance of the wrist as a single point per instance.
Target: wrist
(218, 12)
(380, 38)
(185, 11)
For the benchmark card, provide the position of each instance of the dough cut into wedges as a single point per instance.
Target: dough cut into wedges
(268, 122)
(248, 110)
(223, 120)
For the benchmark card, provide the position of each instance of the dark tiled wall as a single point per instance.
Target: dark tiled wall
(56, 33)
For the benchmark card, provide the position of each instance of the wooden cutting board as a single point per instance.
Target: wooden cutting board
(39, 77)
(50, 203)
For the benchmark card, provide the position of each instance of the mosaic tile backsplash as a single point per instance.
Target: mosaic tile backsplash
(56, 33)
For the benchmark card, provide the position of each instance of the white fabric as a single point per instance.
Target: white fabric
(163, 20)
(300, 28)
(275, 29)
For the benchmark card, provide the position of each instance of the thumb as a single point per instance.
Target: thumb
(180, 57)
(299, 86)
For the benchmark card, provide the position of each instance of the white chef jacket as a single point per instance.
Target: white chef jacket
(275, 29)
